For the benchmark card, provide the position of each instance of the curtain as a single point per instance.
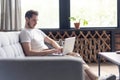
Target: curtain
(10, 15)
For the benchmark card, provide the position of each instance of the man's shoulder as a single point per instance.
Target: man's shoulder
(30, 31)
(24, 32)
(39, 31)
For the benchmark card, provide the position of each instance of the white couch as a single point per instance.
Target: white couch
(9, 45)
(14, 65)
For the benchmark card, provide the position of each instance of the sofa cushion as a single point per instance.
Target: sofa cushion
(9, 45)
(41, 68)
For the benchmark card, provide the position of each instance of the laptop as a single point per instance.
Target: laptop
(68, 46)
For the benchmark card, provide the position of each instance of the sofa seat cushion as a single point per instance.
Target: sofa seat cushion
(9, 45)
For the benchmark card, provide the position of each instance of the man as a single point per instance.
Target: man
(33, 42)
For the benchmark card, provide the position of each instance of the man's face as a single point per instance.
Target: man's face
(32, 21)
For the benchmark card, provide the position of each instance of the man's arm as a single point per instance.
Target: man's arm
(52, 42)
(29, 52)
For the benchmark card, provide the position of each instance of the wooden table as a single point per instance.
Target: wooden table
(112, 57)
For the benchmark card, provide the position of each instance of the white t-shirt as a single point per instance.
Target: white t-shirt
(35, 37)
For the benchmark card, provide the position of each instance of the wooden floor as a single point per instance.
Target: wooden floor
(106, 68)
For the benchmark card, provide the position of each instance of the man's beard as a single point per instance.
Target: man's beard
(30, 26)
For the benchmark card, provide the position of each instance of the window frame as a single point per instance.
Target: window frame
(118, 14)
(64, 10)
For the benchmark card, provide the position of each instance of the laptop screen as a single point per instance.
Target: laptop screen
(68, 45)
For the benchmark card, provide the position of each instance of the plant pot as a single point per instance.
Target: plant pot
(77, 25)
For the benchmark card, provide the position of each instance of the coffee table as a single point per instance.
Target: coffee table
(112, 57)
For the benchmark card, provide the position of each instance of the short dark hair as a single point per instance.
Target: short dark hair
(30, 13)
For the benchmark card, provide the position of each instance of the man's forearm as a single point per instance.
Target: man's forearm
(41, 53)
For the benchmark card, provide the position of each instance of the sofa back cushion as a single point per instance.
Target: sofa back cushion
(9, 45)
(42, 68)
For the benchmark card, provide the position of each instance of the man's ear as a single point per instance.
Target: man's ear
(27, 19)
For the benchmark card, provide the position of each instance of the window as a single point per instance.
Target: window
(48, 12)
(98, 13)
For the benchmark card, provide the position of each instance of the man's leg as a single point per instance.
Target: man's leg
(87, 70)
(89, 75)
(86, 76)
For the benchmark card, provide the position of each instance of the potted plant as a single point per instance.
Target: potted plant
(77, 21)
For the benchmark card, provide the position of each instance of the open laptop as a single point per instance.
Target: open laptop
(68, 46)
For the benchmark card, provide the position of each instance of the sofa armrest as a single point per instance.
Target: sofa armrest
(41, 68)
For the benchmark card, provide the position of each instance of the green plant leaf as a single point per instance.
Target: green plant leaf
(78, 19)
(85, 22)
(72, 18)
